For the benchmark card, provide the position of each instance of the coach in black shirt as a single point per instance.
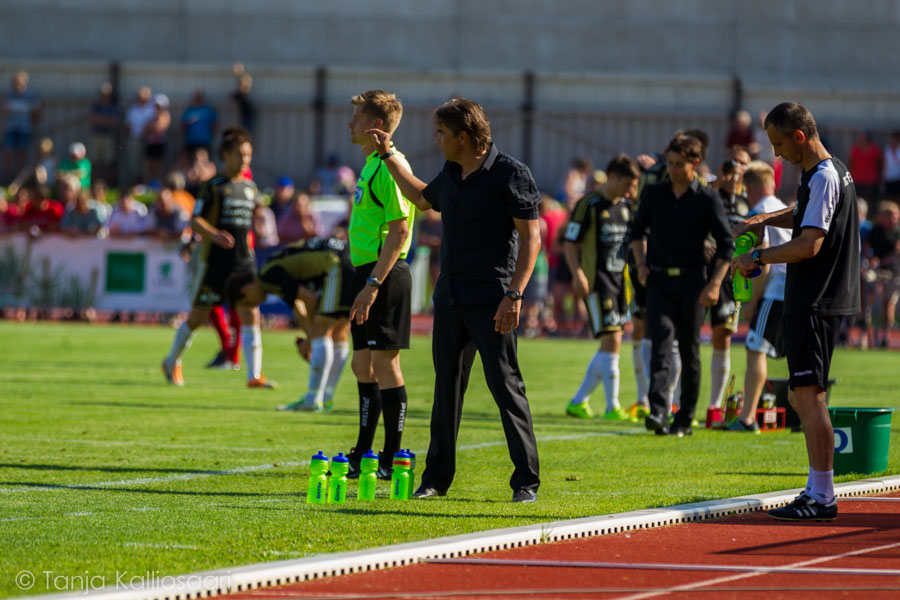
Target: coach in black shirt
(673, 220)
(491, 237)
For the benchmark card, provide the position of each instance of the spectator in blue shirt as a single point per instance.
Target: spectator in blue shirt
(198, 123)
(21, 109)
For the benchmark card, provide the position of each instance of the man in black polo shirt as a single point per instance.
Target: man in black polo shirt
(821, 287)
(679, 214)
(489, 209)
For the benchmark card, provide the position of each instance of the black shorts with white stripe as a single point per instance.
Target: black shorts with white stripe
(766, 333)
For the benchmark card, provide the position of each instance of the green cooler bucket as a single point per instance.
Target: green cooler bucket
(862, 437)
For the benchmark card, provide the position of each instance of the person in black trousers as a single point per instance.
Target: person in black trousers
(673, 220)
(491, 238)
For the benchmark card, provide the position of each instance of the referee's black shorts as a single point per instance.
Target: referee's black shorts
(388, 325)
(809, 344)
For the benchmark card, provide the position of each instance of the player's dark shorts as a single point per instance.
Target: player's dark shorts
(726, 310)
(766, 333)
(388, 325)
(808, 345)
(209, 281)
(337, 291)
(606, 306)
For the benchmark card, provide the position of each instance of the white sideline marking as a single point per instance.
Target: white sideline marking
(160, 546)
(250, 469)
(709, 582)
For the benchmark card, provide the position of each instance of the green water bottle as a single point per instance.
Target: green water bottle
(400, 477)
(318, 479)
(743, 287)
(337, 484)
(368, 477)
(412, 473)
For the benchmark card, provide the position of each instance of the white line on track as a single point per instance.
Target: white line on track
(253, 468)
(804, 563)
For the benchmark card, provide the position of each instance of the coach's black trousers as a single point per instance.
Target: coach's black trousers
(460, 330)
(673, 312)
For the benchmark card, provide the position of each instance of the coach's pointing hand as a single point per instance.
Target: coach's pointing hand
(382, 140)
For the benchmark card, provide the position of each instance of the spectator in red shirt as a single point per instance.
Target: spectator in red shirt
(741, 133)
(866, 164)
(41, 214)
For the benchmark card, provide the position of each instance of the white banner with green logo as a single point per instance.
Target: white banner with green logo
(80, 272)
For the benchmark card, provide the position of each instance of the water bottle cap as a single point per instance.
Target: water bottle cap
(401, 455)
(340, 458)
(370, 454)
(320, 456)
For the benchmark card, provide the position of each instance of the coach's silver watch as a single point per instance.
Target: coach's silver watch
(373, 281)
(513, 295)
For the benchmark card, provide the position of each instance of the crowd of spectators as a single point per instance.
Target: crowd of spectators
(153, 193)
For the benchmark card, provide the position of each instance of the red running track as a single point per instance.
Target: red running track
(639, 564)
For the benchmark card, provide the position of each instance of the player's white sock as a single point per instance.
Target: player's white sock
(637, 356)
(182, 341)
(719, 368)
(673, 386)
(647, 355)
(822, 486)
(320, 361)
(341, 354)
(809, 482)
(611, 380)
(251, 339)
(592, 378)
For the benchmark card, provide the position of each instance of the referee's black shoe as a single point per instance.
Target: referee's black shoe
(657, 424)
(426, 490)
(680, 431)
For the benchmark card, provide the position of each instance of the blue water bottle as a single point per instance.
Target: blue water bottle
(368, 476)
(337, 484)
(318, 479)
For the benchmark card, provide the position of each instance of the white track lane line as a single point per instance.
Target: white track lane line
(701, 584)
(253, 468)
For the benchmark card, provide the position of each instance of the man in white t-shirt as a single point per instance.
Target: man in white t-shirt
(136, 118)
(765, 337)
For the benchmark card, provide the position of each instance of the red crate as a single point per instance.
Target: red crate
(715, 418)
(770, 419)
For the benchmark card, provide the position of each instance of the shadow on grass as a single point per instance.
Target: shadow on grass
(38, 467)
(762, 474)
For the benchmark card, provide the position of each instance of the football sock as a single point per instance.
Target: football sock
(393, 405)
(341, 354)
(672, 386)
(320, 361)
(809, 482)
(217, 320)
(637, 357)
(611, 380)
(647, 356)
(369, 412)
(719, 368)
(234, 340)
(592, 379)
(182, 342)
(252, 340)
(822, 486)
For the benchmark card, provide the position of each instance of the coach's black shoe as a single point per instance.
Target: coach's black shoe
(805, 508)
(681, 431)
(427, 491)
(524, 496)
(656, 423)
(354, 470)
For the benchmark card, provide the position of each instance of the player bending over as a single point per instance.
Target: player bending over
(315, 278)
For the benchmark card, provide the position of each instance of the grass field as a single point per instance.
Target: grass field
(105, 468)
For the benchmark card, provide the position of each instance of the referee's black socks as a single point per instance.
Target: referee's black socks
(369, 411)
(393, 404)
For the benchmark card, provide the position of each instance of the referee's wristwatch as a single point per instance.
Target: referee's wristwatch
(373, 281)
(513, 295)
(756, 257)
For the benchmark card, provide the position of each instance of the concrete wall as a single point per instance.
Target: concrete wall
(777, 41)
